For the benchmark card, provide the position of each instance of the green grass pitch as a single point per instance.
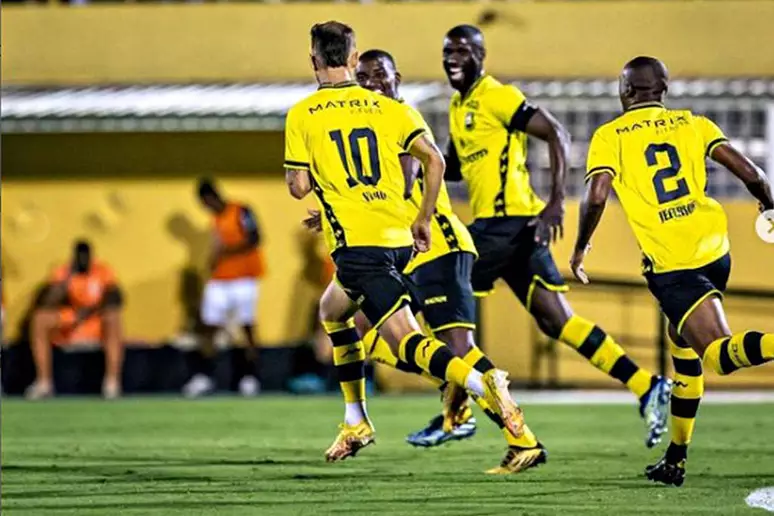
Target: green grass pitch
(265, 456)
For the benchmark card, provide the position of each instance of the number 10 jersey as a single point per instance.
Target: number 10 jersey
(350, 139)
(657, 159)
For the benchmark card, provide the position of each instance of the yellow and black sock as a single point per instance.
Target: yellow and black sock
(747, 349)
(348, 357)
(434, 357)
(476, 359)
(686, 395)
(605, 354)
(527, 440)
(380, 352)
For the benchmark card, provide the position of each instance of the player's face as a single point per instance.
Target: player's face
(82, 259)
(624, 90)
(461, 61)
(379, 76)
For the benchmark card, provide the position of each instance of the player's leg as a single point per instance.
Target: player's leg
(357, 432)
(536, 281)
(245, 364)
(45, 322)
(214, 315)
(112, 335)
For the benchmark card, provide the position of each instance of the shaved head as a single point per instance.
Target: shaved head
(469, 32)
(643, 79)
(463, 56)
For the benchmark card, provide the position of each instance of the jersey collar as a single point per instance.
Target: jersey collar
(473, 87)
(328, 85)
(643, 105)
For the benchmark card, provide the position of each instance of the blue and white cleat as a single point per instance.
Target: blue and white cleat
(434, 435)
(654, 409)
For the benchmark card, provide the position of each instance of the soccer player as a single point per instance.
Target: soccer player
(236, 267)
(343, 142)
(653, 157)
(442, 276)
(489, 123)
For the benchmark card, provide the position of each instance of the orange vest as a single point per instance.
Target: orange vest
(249, 264)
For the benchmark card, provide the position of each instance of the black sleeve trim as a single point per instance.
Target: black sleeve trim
(598, 170)
(296, 164)
(453, 167)
(413, 136)
(521, 117)
(714, 143)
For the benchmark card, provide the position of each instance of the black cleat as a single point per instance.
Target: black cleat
(666, 473)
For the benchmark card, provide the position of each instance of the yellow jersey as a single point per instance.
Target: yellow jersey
(656, 157)
(491, 153)
(349, 139)
(449, 234)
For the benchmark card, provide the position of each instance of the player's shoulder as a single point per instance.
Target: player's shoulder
(493, 88)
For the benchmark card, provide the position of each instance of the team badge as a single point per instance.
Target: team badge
(470, 120)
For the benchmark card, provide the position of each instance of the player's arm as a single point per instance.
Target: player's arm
(297, 159)
(601, 170)
(56, 293)
(249, 224)
(747, 171)
(433, 165)
(453, 166)
(410, 167)
(541, 124)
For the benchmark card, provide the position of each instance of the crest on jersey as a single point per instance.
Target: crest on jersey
(470, 120)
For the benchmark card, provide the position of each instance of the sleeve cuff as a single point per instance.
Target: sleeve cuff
(412, 138)
(300, 165)
(521, 117)
(714, 145)
(599, 170)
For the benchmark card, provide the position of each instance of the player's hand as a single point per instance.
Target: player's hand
(550, 223)
(421, 231)
(314, 221)
(576, 264)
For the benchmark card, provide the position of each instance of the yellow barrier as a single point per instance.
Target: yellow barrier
(237, 42)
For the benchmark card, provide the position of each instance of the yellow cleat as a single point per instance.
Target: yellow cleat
(499, 399)
(456, 410)
(518, 459)
(351, 439)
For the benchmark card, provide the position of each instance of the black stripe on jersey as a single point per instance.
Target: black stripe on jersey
(597, 170)
(413, 136)
(499, 203)
(713, 144)
(338, 230)
(521, 117)
(296, 164)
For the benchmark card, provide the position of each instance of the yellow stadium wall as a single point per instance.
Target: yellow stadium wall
(132, 195)
(240, 42)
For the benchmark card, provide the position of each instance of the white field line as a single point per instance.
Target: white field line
(601, 397)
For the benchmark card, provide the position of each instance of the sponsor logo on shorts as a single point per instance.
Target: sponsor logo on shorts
(436, 300)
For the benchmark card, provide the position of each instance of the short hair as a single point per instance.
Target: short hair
(82, 246)
(375, 53)
(466, 31)
(332, 43)
(206, 187)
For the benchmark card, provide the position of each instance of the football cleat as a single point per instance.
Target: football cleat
(666, 472)
(435, 435)
(455, 407)
(351, 439)
(654, 409)
(499, 399)
(517, 459)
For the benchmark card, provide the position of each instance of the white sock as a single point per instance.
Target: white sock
(475, 383)
(355, 413)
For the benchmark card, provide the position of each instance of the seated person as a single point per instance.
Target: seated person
(81, 310)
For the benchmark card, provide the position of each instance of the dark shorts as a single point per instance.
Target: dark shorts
(447, 295)
(372, 278)
(680, 292)
(507, 249)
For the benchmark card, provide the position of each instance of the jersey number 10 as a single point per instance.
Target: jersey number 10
(662, 194)
(355, 135)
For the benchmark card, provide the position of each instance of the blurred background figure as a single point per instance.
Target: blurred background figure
(235, 269)
(79, 313)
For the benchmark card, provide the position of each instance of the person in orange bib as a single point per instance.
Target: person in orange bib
(80, 310)
(231, 293)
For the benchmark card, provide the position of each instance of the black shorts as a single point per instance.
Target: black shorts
(447, 295)
(372, 278)
(680, 292)
(507, 249)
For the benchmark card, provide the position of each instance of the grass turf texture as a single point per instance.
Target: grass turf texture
(265, 456)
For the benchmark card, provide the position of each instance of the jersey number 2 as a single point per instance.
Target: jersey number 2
(355, 135)
(662, 194)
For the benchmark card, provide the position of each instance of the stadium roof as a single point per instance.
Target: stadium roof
(248, 107)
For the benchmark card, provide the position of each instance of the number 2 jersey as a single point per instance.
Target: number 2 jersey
(449, 234)
(657, 159)
(350, 139)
